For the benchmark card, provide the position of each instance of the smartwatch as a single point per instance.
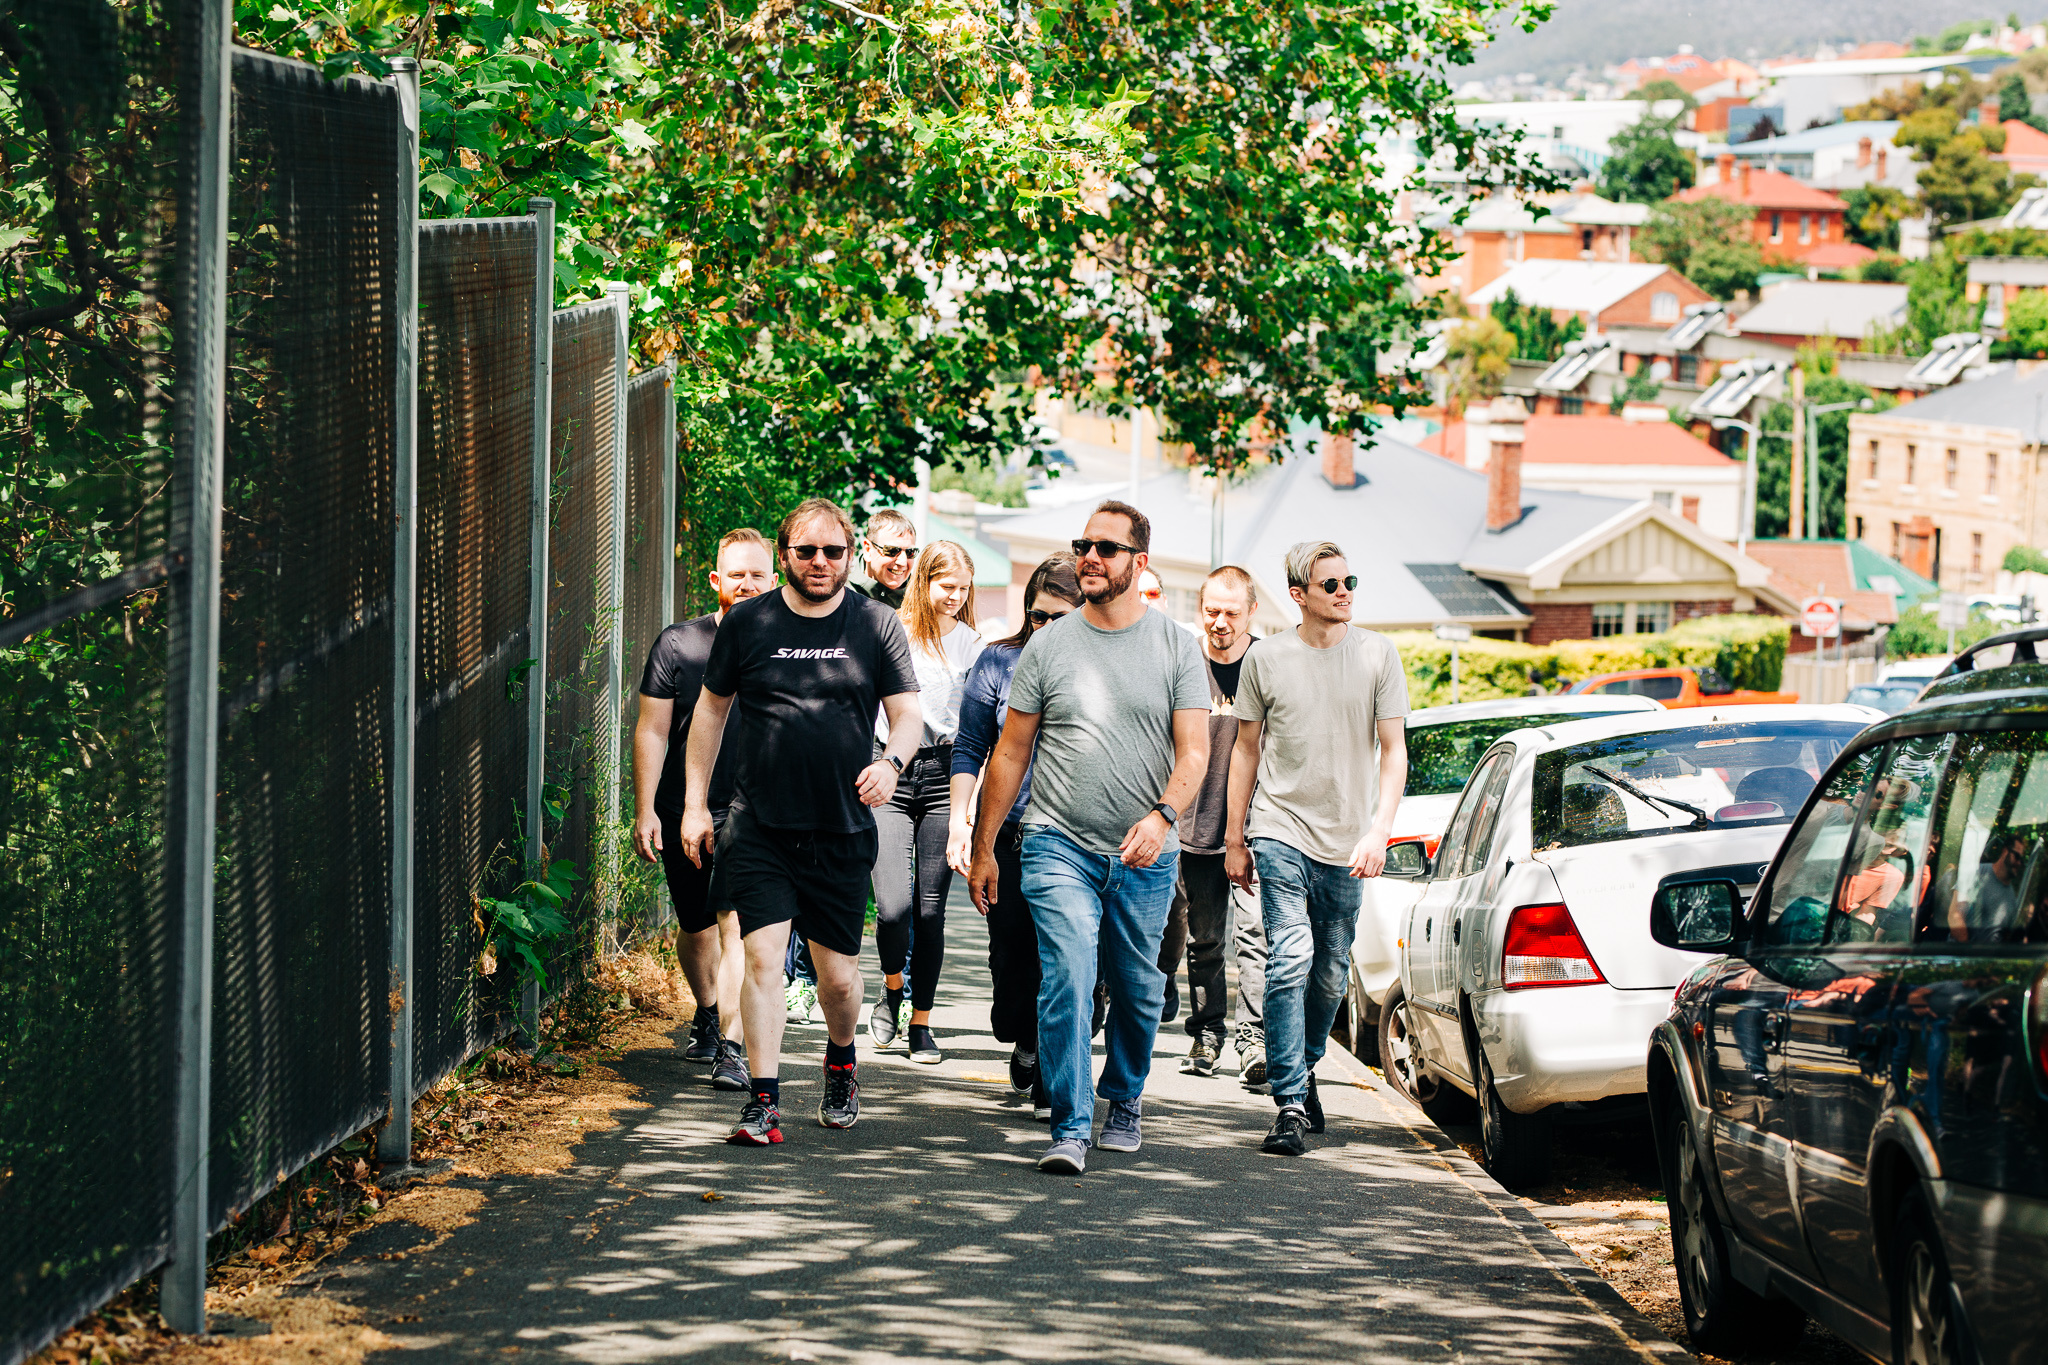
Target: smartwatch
(895, 763)
(1172, 815)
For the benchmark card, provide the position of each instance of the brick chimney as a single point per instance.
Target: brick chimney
(1862, 152)
(1340, 468)
(1725, 164)
(1504, 463)
(1742, 180)
(1880, 163)
(1987, 113)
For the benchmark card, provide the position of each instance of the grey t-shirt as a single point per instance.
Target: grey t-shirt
(1319, 769)
(1105, 701)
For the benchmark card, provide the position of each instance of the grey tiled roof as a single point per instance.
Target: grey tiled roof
(2002, 398)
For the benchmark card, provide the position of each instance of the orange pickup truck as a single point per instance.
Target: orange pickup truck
(1680, 687)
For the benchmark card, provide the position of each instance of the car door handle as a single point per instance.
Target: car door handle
(1457, 929)
(1428, 925)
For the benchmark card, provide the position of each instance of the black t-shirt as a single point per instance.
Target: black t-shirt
(891, 598)
(1226, 676)
(675, 672)
(807, 690)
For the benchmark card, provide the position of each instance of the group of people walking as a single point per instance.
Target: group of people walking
(1101, 777)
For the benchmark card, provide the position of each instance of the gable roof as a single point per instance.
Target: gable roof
(1807, 568)
(1576, 286)
(1602, 439)
(1767, 190)
(2023, 141)
(1812, 308)
(2003, 398)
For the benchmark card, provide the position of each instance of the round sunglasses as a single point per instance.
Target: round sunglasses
(1347, 582)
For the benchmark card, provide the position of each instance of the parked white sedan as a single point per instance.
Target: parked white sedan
(1529, 980)
(1445, 743)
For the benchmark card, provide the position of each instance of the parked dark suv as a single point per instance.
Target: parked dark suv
(1852, 1106)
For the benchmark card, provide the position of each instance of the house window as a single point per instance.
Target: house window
(1586, 242)
(1689, 508)
(1777, 227)
(1990, 473)
(1912, 464)
(1898, 539)
(1976, 552)
(1805, 227)
(1662, 497)
(1663, 306)
(1609, 618)
(1872, 473)
(1948, 470)
(1859, 528)
(1571, 404)
(1822, 225)
(1652, 617)
(1688, 369)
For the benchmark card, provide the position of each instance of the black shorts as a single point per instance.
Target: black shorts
(817, 879)
(689, 886)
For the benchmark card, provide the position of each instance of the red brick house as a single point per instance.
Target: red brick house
(1791, 220)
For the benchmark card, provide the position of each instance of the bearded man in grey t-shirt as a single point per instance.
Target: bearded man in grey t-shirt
(1114, 699)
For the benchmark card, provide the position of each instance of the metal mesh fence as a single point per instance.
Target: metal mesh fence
(90, 138)
(475, 485)
(302, 888)
(649, 557)
(581, 613)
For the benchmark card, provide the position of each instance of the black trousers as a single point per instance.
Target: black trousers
(1012, 948)
(911, 877)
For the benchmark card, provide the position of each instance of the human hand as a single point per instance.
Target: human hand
(959, 846)
(647, 836)
(696, 834)
(1237, 867)
(981, 881)
(876, 783)
(1370, 856)
(1143, 841)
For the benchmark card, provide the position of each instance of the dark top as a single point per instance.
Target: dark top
(892, 598)
(807, 691)
(675, 672)
(983, 698)
(1202, 825)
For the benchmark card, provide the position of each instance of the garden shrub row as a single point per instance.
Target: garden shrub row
(1747, 650)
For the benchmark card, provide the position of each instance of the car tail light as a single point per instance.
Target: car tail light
(1543, 948)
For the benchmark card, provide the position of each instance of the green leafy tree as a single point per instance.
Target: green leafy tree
(2026, 324)
(1663, 88)
(2013, 100)
(1537, 332)
(1477, 355)
(1706, 240)
(1874, 213)
(1640, 387)
(1646, 165)
(1774, 455)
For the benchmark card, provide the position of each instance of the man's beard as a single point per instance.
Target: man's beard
(803, 590)
(1117, 586)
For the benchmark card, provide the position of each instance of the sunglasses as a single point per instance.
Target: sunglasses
(1039, 618)
(1101, 549)
(1331, 585)
(893, 551)
(807, 553)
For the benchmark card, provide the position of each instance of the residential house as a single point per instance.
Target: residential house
(1841, 156)
(1639, 456)
(1573, 136)
(1502, 232)
(1432, 541)
(1599, 293)
(1795, 313)
(1874, 589)
(2026, 149)
(1817, 92)
(1950, 482)
(1789, 219)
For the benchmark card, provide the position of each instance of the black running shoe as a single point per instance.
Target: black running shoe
(1289, 1135)
(760, 1124)
(1023, 1073)
(704, 1037)
(729, 1072)
(840, 1108)
(1313, 1106)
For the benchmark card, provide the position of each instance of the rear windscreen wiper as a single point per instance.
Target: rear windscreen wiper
(1700, 817)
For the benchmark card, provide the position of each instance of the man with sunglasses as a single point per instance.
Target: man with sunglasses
(1114, 701)
(889, 550)
(1320, 697)
(808, 664)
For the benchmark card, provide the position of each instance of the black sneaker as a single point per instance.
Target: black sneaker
(1289, 1135)
(840, 1108)
(1041, 1102)
(704, 1037)
(882, 1020)
(1023, 1073)
(729, 1072)
(1202, 1055)
(923, 1047)
(1313, 1106)
(760, 1124)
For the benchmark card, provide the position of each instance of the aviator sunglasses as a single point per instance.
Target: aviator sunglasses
(807, 553)
(1330, 585)
(893, 551)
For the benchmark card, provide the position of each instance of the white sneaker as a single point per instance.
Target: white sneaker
(800, 1002)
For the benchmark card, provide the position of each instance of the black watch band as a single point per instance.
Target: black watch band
(895, 763)
(1172, 815)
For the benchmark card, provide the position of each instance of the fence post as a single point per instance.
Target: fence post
(194, 666)
(615, 649)
(668, 497)
(543, 211)
(394, 1143)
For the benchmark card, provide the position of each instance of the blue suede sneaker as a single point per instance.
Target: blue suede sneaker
(1120, 1129)
(1069, 1156)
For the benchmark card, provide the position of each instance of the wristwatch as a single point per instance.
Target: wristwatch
(895, 763)
(1172, 815)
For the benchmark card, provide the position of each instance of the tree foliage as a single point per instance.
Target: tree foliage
(1537, 332)
(1647, 166)
(1831, 430)
(1706, 240)
(1477, 355)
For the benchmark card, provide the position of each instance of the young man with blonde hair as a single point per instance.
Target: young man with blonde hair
(1312, 706)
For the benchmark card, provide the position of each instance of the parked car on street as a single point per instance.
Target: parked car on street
(1678, 688)
(1890, 697)
(1850, 1099)
(1529, 980)
(1444, 744)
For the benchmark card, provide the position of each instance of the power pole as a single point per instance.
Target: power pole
(1796, 493)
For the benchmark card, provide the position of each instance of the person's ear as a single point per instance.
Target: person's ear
(1299, 595)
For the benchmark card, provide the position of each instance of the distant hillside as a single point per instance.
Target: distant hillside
(1589, 34)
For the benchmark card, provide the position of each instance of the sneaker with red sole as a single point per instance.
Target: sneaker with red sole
(840, 1107)
(760, 1124)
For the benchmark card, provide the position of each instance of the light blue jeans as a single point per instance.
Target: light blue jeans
(1311, 914)
(1083, 904)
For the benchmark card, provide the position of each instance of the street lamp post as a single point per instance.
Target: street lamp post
(1813, 527)
(1745, 517)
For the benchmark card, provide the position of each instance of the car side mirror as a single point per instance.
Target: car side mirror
(1697, 917)
(1406, 860)
(1713, 684)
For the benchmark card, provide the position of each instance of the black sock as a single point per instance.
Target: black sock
(707, 1014)
(837, 1054)
(894, 995)
(921, 1033)
(767, 1088)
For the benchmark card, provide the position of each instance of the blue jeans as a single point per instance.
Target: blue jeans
(1311, 915)
(1084, 903)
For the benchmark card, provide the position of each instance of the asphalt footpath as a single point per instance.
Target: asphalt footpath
(927, 1233)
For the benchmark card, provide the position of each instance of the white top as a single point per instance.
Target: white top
(941, 678)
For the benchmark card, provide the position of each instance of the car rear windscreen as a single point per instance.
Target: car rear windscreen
(1442, 756)
(1700, 777)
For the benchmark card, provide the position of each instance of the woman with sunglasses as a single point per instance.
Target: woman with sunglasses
(1053, 590)
(911, 876)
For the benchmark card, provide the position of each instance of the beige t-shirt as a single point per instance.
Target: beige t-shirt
(1319, 772)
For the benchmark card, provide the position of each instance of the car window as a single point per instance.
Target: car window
(1700, 776)
(1657, 689)
(1796, 909)
(1441, 757)
(1887, 871)
(1472, 822)
(1990, 863)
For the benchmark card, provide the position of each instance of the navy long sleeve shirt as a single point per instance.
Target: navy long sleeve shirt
(982, 703)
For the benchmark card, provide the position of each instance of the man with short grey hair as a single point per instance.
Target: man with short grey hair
(888, 550)
(1312, 807)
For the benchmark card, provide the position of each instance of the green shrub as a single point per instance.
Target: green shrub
(1748, 650)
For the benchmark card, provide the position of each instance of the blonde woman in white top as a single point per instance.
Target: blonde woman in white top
(911, 875)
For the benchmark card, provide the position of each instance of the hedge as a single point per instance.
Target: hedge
(1747, 650)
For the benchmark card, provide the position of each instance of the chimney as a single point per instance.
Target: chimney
(1504, 465)
(1862, 152)
(1743, 180)
(1725, 163)
(1987, 113)
(1340, 469)
(1880, 164)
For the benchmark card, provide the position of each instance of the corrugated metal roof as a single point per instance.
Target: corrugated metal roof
(1462, 593)
(1812, 308)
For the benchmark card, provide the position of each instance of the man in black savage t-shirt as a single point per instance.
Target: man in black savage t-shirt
(808, 665)
(709, 943)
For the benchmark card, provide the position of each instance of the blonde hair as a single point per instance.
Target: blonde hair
(1303, 557)
(920, 616)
